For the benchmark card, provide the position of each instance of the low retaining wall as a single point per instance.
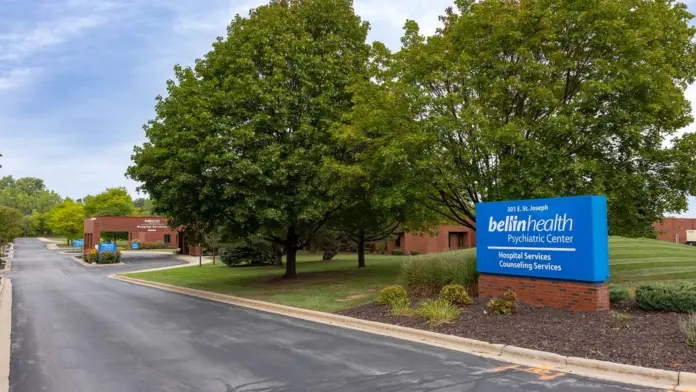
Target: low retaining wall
(575, 296)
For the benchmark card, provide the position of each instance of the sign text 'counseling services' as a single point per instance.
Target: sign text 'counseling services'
(560, 238)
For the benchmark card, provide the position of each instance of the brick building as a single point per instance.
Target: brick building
(674, 229)
(144, 229)
(447, 237)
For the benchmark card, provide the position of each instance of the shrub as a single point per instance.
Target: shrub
(428, 274)
(438, 311)
(688, 327)
(679, 297)
(390, 294)
(153, 245)
(401, 307)
(89, 256)
(620, 320)
(618, 294)
(455, 294)
(415, 253)
(506, 304)
(109, 257)
(397, 252)
(251, 252)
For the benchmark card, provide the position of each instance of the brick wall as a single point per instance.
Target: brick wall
(674, 229)
(575, 296)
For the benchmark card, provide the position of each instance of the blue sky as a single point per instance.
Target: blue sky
(78, 78)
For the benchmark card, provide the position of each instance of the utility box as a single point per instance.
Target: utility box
(691, 237)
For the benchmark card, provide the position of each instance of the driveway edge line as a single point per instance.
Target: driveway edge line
(522, 356)
(5, 333)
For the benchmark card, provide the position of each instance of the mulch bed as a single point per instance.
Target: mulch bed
(650, 339)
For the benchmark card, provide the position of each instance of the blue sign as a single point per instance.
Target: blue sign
(135, 245)
(78, 243)
(107, 247)
(562, 238)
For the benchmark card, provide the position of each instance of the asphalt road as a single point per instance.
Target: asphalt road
(76, 330)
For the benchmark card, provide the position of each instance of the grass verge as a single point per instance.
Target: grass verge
(334, 285)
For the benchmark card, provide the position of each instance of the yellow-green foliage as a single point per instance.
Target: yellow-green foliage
(438, 311)
(455, 294)
(401, 307)
(390, 294)
(506, 304)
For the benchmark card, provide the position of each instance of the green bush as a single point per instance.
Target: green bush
(109, 258)
(253, 252)
(678, 297)
(390, 294)
(506, 304)
(618, 294)
(397, 252)
(438, 311)
(153, 245)
(688, 327)
(401, 307)
(415, 253)
(428, 274)
(89, 257)
(455, 294)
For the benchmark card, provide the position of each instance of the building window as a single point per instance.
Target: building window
(397, 243)
(167, 238)
(457, 240)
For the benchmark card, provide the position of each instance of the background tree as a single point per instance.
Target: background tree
(67, 219)
(143, 206)
(27, 194)
(112, 202)
(249, 127)
(213, 239)
(11, 225)
(541, 98)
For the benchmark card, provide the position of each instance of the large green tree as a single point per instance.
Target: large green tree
(27, 194)
(11, 225)
(112, 202)
(67, 219)
(241, 138)
(540, 98)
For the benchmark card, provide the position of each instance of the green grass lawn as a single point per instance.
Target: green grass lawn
(640, 260)
(338, 284)
(322, 285)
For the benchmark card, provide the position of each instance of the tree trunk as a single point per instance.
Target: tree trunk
(278, 255)
(200, 256)
(214, 251)
(361, 251)
(291, 262)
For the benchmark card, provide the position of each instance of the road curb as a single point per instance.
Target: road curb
(584, 367)
(687, 382)
(525, 356)
(624, 373)
(5, 333)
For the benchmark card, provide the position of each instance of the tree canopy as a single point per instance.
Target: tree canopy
(67, 219)
(112, 202)
(542, 98)
(11, 224)
(242, 137)
(27, 194)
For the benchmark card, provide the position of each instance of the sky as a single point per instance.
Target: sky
(78, 78)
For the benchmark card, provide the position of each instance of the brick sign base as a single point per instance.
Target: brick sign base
(575, 296)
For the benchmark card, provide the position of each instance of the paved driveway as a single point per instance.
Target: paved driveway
(76, 330)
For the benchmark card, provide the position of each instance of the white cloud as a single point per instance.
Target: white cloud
(19, 45)
(16, 77)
